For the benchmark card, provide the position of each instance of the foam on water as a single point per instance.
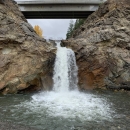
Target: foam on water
(72, 104)
(65, 100)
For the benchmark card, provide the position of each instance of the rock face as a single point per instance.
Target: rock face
(24, 56)
(102, 47)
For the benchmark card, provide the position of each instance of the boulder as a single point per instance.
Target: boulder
(102, 48)
(24, 57)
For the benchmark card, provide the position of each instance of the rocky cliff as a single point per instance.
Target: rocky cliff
(24, 56)
(102, 47)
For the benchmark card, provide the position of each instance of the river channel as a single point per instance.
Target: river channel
(106, 110)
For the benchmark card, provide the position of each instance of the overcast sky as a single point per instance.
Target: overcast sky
(52, 28)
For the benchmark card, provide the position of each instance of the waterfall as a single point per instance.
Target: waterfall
(65, 100)
(65, 70)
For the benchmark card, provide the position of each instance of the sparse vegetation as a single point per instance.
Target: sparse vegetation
(38, 30)
(73, 26)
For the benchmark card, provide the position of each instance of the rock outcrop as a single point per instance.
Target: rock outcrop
(102, 47)
(24, 56)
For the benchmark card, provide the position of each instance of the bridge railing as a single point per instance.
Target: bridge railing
(61, 2)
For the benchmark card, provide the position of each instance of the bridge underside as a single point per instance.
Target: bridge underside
(56, 14)
(59, 11)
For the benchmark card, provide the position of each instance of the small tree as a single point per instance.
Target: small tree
(38, 30)
(78, 23)
(73, 26)
(70, 29)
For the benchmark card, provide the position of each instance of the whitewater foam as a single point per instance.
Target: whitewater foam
(71, 105)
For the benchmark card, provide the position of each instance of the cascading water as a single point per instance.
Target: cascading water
(65, 70)
(65, 100)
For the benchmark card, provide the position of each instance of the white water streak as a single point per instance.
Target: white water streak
(65, 70)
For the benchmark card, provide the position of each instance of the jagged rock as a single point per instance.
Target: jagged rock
(24, 56)
(102, 48)
(52, 42)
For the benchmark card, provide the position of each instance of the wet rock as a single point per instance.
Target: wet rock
(52, 42)
(1, 1)
(2, 84)
(24, 56)
(102, 47)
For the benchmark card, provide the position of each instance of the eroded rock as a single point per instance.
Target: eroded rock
(24, 56)
(102, 48)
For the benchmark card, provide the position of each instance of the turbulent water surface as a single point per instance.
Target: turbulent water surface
(65, 107)
(95, 110)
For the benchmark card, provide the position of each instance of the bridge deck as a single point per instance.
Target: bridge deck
(57, 9)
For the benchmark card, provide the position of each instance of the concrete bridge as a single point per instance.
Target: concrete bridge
(58, 9)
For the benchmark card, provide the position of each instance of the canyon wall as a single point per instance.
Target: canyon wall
(102, 47)
(24, 57)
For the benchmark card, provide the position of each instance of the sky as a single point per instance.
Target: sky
(52, 28)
